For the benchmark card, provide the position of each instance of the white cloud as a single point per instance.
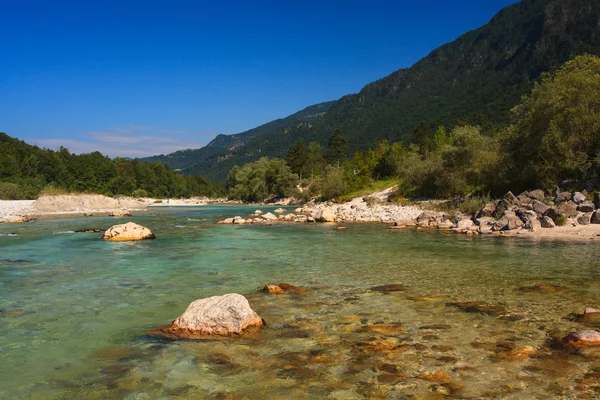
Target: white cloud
(128, 141)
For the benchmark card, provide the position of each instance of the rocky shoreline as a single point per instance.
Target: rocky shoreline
(534, 213)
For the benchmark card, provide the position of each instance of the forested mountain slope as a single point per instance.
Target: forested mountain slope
(478, 77)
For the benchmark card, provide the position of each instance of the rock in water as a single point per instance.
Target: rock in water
(217, 315)
(583, 338)
(119, 213)
(128, 231)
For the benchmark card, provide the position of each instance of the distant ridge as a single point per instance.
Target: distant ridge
(223, 145)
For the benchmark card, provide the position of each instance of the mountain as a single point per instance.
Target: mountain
(184, 160)
(478, 77)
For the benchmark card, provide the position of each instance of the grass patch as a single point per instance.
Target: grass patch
(376, 186)
(51, 190)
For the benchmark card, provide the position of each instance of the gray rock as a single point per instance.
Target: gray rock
(562, 197)
(533, 225)
(526, 215)
(569, 209)
(597, 199)
(522, 200)
(537, 194)
(539, 207)
(595, 217)
(552, 212)
(547, 222)
(485, 228)
(484, 221)
(430, 218)
(586, 206)
(446, 225)
(464, 224)
(584, 218)
(578, 197)
(510, 198)
(508, 222)
(487, 211)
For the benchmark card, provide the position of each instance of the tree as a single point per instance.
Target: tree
(297, 158)
(421, 134)
(555, 133)
(315, 160)
(336, 147)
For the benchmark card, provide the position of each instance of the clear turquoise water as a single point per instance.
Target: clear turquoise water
(75, 311)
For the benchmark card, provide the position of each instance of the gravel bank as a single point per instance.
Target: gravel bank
(15, 209)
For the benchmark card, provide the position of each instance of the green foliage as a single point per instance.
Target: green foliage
(257, 181)
(34, 170)
(11, 191)
(555, 134)
(336, 147)
(297, 158)
(332, 183)
(561, 220)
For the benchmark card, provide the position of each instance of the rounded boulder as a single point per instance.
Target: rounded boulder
(128, 232)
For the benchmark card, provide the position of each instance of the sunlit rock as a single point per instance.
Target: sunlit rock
(127, 232)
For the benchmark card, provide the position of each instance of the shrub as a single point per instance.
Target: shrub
(561, 220)
(139, 193)
(11, 191)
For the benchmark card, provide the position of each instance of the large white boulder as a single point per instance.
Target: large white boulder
(217, 315)
(128, 231)
(324, 215)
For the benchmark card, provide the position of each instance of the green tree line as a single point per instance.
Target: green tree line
(553, 140)
(26, 171)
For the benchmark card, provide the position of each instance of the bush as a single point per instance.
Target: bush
(561, 220)
(139, 193)
(52, 190)
(473, 204)
(11, 191)
(332, 184)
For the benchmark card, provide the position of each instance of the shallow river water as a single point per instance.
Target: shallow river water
(75, 312)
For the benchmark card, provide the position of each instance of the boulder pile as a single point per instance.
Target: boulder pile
(532, 211)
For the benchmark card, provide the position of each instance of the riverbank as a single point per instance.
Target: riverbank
(15, 211)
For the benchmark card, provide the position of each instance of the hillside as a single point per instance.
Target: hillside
(224, 144)
(478, 77)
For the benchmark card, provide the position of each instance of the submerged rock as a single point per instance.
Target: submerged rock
(477, 307)
(388, 288)
(119, 213)
(283, 288)
(583, 338)
(128, 231)
(90, 230)
(218, 315)
(591, 314)
(544, 288)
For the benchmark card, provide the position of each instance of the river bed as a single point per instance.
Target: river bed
(466, 317)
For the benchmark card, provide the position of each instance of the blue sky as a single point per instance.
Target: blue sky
(135, 78)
